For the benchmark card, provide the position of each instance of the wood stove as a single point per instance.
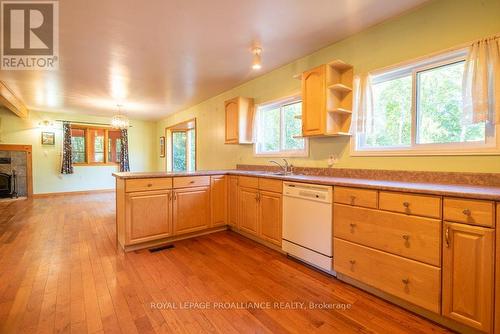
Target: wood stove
(5, 185)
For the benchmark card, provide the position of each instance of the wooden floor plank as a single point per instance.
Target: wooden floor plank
(60, 271)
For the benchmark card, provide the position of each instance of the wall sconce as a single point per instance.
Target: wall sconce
(45, 124)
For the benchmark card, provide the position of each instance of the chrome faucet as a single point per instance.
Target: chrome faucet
(285, 168)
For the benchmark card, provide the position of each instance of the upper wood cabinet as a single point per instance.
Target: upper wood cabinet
(191, 208)
(218, 197)
(148, 216)
(327, 100)
(233, 201)
(239, 120)
(314, 101)
(468, 255)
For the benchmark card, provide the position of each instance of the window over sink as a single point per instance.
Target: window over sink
(279, 128)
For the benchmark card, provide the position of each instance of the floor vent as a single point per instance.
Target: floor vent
(159, 249)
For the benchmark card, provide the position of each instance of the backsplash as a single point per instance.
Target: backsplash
(473, 179)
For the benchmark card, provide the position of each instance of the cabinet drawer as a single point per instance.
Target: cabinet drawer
(419, 205)
(473, 212)
(271, 185)
(413, 281)
(148, 184)
(248, 182)
(417, 238)
(355, 196)
(191, 181)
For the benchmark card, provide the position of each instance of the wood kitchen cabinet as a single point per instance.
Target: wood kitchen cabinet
(191, 209)
(270, 216)
(314, 101)
(233, 201)
(327, 100)
(468, 257)
(248, 210)
(218, 198)
(148, 216)
(239, 120)
(260, 208)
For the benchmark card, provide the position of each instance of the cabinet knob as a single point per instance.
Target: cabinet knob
(191, 182)
(353, 199)
(150, 184)
(406, 204)
(352, 261)
(406, 237)
(406, 281)
(466, 212)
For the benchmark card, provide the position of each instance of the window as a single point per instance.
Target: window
(89, 145)
(78, 147)
(418, 108)
(279, 127)
(181, 145)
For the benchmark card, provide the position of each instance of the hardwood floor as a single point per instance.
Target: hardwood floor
(61, 272)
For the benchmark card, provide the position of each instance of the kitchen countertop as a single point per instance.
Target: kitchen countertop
(459, 190)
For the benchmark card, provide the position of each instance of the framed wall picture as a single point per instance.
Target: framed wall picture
(162, 147)
(48, 138)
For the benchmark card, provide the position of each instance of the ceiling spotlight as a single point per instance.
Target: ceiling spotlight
(257, 58)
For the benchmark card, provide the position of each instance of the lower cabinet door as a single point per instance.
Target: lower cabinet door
(270, 216)
(148, 216)
(468, 253)
(218, 196)
(248, 210)
(233, 201)
(191, 209)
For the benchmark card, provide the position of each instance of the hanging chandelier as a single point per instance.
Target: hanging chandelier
(120, 121)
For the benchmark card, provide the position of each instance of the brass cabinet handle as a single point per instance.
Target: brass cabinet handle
(353, 199)
(191, 182)
(352, 261)
(175, 196)
(406, 237)
(150, 184)
(406, 281)
(447, 236)
(352, 227)
(406, 204)
(169, 196)
(466, 212)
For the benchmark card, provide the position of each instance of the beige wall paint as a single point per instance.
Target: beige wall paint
(47, 159)
(438, 25)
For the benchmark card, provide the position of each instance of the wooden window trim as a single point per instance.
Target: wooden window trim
(87, 162)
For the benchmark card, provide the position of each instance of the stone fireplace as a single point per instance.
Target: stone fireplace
(13, 173)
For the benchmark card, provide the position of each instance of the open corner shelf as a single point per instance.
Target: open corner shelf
(340, 65)
(339, 87)
(340, 111)
(339, 134)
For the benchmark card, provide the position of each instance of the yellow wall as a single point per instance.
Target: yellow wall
(47, 159)
(435, 26)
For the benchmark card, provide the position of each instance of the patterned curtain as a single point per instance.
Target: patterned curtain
(67, 162)
(124, 166)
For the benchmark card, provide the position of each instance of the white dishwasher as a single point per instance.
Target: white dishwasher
(307, 223)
